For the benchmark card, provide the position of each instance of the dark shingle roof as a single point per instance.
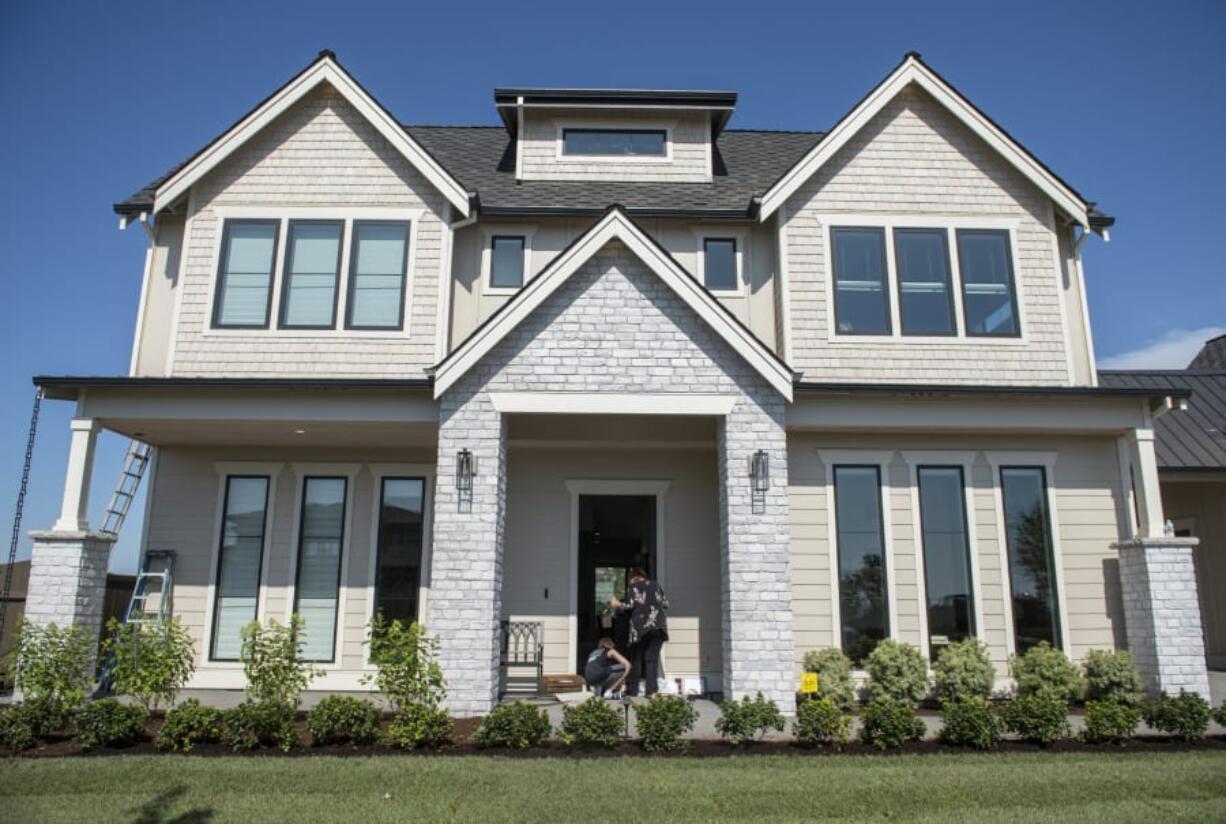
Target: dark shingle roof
(1212, 355)
(482, 158)
(1194, 438)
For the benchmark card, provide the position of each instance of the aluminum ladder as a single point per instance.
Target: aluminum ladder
(134, 465)
(137, 611)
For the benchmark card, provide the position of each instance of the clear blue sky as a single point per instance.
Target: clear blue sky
(1127, 101)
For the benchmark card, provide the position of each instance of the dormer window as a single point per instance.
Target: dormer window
(615, 142)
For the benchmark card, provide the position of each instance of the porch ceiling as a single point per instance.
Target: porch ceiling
(302, 433)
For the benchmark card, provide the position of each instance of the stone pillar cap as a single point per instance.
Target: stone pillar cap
(70, 535)
(1163, 540)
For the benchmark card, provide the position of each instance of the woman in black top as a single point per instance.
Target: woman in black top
(648, 609)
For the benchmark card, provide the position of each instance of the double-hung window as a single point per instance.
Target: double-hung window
(400, 538)
(947, 560)
(861, 297)
(863, 609)
(988, 291)
(1032, 567)
(312, 274)
(377, 263)
(507, 261)
(245, 274)
(239, 558)
(321, 536)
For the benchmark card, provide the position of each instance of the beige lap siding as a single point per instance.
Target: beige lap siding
(320, 152)
(1087, 486)
(184, 503)
(916, 159)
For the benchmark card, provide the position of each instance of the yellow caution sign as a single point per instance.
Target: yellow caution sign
(808, 683)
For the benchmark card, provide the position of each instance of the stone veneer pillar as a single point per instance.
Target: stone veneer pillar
(757, 592)
(67, 583)
(466, 559)
(1162, 613)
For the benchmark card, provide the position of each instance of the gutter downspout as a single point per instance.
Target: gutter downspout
(150, 238)
(1085, 299)
(442, 339)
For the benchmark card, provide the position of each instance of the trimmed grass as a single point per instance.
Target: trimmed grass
(1179, 786)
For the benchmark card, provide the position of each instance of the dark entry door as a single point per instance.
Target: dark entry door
(616, 534)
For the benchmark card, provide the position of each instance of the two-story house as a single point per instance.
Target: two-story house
(827, 387)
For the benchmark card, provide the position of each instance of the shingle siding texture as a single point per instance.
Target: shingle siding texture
(319, 153)
(914, 158)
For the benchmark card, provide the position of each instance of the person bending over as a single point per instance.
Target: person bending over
(606, 668)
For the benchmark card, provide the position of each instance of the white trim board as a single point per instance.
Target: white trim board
(615, 225)
(913, 70)
(324, 69)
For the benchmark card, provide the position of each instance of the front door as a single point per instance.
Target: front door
(616, 534)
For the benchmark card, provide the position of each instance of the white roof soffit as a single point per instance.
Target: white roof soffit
(325, 69)
(913, 70)
(615, 225)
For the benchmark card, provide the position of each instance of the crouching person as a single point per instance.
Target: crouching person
(606, 669)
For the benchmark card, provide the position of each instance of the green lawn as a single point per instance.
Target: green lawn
(1188, 786)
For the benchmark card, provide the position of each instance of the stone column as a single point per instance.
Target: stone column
(466, 560)
(757, 589)
(68, 579)
(1162, 613)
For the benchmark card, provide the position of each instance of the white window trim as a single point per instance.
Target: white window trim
(348, 471)
(667, 126)
(576, 487)
(915, 458)
(224, 470)
(888, 223)
(882, 459)
(380, 471)
(488, 233)
(1046, 460)
(740, 236)
(284, 214)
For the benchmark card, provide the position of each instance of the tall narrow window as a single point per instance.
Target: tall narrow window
(321, 533)
(312, 270)
(1031, 565)
(861, 299)
(926, 301)
(507, 262)
(378, 261)
(988, 297)
(401, 536)
(239, 556)
(947, 559)
(861, 547)
(244, 276)
(719, 268)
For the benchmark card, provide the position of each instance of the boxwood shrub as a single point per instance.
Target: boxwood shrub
(595, 722)
(519, 726)
(888, 725)
(188, 724)
(1039, 718)
(420, 725)
(343, 719)
(662, 720)
(255, 724)
(108, 723)
(16, 732)
(748, 720)
(964, 670)
(1219, 715)
(1185, 715)
(970, 721)
(1111, 675)
(1109, 721)
(897, 672)
(834, 679)
(821, 721)
(1045, 670)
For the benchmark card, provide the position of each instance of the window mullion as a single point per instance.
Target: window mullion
(892, 284)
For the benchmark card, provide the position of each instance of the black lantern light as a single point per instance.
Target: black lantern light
(759, 479)
(465, 469)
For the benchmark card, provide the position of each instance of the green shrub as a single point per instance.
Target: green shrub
(1109, 721)
(1037, 717)
(1185, 715)
(419, 725)
(15, 730)
(404, 658)
(52, 667)
(108, 723)
(888, 725)
(43, 717)
(189, 724)
(746, 720)
(834, 679)
(964, 670)
(272, 661)
(343, 719)
(594, 722)
(1219, 715)
(1045, 670)
(1111, 675)
(150, 662)
(970, 721)
(897, 672)
(519, 726)
(662, 720)
(255, 724)
(821, 721)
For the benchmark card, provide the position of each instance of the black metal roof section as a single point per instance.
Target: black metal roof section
(1140, 390)
(1193, 439)
(720, 104)
(63, 387)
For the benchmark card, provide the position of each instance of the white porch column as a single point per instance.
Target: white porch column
(1158, 581)
(757, 588)
(466, 560)
(75, 505)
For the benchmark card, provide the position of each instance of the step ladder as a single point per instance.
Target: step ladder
(134, 465)
(138, 611)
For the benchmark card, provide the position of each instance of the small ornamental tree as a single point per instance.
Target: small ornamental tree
(1046, 670)
(52, 667)
(406, 669)
(1111, 675)
(272, 661)
(150, 662)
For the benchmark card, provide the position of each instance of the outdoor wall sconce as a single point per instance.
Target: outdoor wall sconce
(759, 479)
(465, 469)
